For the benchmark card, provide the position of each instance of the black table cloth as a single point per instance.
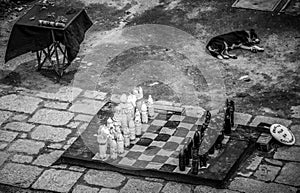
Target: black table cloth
(27, 35)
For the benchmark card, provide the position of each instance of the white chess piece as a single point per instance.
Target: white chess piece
(132, 99)
(144, 113)
(117, 114)
(110, 123)
(130, 110)
(138, 123)
(141, 92)
(131, 130)
(126, 133)
(102, 138)
(150, 107)
(113, 149)
(120, 141)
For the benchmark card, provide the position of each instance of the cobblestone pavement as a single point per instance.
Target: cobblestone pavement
(36, 128)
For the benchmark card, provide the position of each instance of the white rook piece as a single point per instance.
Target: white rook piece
(150, 107)
(132, 130)
(144, 113)
(102, 137)
(138, 123)
(126, 136)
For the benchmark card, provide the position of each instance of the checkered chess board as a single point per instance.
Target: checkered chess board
(155, 152)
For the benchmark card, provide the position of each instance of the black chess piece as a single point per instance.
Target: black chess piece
(218, 143)
(181, 160)
(195, 165)
(231, 110)
(190, 146)
(196, 139)
(207, 118)
(227, 122)
(203, 160)
(186, 155)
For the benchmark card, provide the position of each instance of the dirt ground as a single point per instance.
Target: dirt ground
(273, 83)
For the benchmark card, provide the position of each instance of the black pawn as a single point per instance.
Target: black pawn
(207, 118)
(231, 110)
(181, 160)
(195, 165)
(227, 122)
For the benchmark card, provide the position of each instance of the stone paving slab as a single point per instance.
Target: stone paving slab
(208, 189)
(7, 136)
(241, 118)
(87, 106)
(248, 185)
(19, 158)
(296, 131)
(104, 178)
(56, 105)
(290, 174)
(173, 187)
(19, 126)
(66, 94)
(20, 117)
(3, 157)
(19, 175)
(266, 172)
(4, 115)
(138, 186)
(26, 146)
(57, 180)
(19, 103)
(51, 117)
(85, 189)
(49, 133)
(270, 120)
(47, 159)
(288, 153)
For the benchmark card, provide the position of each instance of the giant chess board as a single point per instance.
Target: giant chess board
(155, 152)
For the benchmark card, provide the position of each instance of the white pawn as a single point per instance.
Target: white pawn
(117, 114)
(120, 141)
(150, 107)
(132, 130)
(110, 123)
(130, 110)
(102, 138)
(138, 123)
(113, 149)
(126, 133)
(124, 121)
(144, 113)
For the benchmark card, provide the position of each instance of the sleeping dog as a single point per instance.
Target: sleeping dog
(246, 39)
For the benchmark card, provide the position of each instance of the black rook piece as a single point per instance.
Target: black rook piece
(187, 155)
(181, 160)
(195, 165)
(231, 109)
(227, 122)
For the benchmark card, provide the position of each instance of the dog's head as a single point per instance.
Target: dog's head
(253, 38)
